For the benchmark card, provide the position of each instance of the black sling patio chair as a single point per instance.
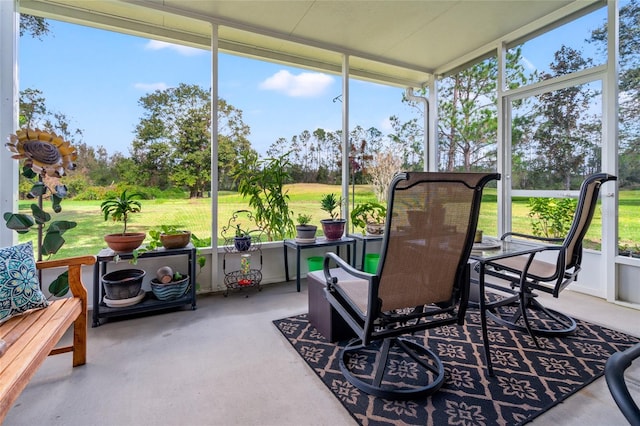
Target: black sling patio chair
(614, 371)
(422, 282)
(550, 271)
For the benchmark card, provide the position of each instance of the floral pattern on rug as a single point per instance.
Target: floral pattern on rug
(527, 381)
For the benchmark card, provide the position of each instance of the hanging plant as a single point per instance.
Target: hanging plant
(46, 158)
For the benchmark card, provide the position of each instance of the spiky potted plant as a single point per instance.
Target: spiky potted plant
(242, 240)
(118, 208)
(333, 227)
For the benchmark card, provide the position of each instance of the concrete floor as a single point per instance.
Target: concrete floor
(227, 364)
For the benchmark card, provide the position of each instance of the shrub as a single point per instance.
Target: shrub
(92, 193)
(551, 217)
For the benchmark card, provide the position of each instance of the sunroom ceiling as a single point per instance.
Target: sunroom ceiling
(394, 42)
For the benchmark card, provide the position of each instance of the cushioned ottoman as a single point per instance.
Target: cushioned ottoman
(321, 314)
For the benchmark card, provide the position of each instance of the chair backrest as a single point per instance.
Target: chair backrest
(430, 226)
(585, 209)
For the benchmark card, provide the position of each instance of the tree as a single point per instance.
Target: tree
(314, 156)
(629, 99)
(124, 169)
(407, 139)
(468, 113)
(192, 153)
(32, 107)
(364, 143)
(172, 143)
(564, 125)
(34, 25)
(34, 114)
(233, 140)
(384, 166)
(467, 118)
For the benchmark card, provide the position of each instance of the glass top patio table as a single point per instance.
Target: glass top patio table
(500, 249)
(505, 248)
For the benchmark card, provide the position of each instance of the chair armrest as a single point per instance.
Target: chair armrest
(344, 265)
(531, 237)
(78, 260)
(74, 265)
(614, 373)
(348, 303)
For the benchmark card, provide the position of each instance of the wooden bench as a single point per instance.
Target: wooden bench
(28, 339)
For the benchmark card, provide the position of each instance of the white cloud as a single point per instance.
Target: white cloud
(528, 64)
(150, 87)
(306, 84)
(385, 126)
(182, 50)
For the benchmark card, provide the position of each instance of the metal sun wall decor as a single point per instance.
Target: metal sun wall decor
(46, 158)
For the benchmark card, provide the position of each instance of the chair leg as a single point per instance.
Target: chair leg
(394, 369)
(525, 318)
(80, 340)
(531, 316)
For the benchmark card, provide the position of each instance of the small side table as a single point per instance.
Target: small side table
(321, 314)
(364, 239)
(320, 242)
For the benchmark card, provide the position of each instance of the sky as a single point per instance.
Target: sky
(96, 78)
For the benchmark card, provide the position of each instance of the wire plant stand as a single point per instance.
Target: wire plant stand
(242, 260)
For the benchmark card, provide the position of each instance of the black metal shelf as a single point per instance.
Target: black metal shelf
(149, 303)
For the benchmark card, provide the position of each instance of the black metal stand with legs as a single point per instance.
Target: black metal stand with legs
(320, 242)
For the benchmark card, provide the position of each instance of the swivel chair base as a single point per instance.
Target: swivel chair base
(394, 369)
(516, 312)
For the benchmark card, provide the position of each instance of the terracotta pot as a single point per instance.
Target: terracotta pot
(175, 241)
(333, 229)
(125, 243)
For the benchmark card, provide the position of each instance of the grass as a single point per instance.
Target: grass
(195, 215)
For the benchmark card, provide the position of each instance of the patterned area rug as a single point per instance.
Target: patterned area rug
(527, 382)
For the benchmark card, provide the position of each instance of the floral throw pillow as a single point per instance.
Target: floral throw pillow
(19, 286)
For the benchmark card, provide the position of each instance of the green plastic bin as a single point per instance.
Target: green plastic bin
(371, 262)
(315, 263)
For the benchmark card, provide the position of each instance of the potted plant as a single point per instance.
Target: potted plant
(333, 228)
(262, 183)
(169, 285)
(123, 284)
(305, 231)
(242, 240)
(118, 208)
(169, 237)
(369, 217)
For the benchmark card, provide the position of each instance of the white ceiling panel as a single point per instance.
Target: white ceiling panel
(396, 42)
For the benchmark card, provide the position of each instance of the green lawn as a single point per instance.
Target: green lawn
(87, 237)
